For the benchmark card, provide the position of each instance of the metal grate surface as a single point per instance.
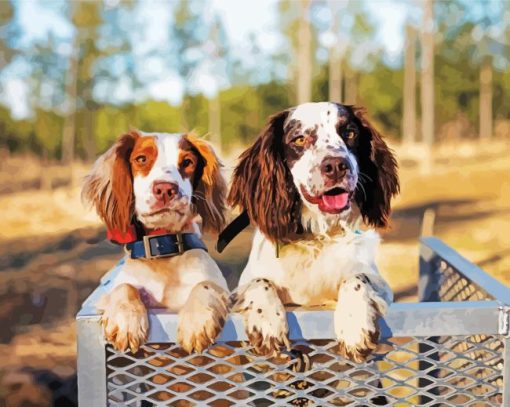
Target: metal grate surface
(432, 371)
(455, 287)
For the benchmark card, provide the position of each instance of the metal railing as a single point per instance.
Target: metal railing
(452, 348)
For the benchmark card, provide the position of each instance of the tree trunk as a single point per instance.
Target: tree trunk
(215, 121)
(409, 97)
(304, 54)
(351, 87)
(427, 74)
(90, 140)
(486, 98)
(427, 86)
(335, 56)
(69, 131)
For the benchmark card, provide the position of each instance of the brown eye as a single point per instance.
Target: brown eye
(350, 135)
(141, 159)
(186, 163)
(299, 141)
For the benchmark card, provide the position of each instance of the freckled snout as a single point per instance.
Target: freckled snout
(164, 191)
(334, 168)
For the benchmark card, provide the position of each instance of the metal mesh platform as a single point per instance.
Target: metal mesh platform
(451, 349)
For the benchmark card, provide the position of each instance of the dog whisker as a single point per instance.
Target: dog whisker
(362, 174)
(359, 184)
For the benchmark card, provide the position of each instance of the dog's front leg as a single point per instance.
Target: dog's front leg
(124, 317)
(362, 299)
(264, 315)
(202, 317)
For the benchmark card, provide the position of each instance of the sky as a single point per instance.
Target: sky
(37, 18)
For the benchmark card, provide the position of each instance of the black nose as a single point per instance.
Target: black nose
(334, 167)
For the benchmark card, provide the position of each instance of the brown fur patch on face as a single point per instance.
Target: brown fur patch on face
(188, 163)
(143, 156)
(347, 123)
(209, 185)
(292, 129)
(109, 186)
(193, 168)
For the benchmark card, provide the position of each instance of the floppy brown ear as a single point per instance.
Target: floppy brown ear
(263, 186)
(210, 189)
(109, 186)
(379, 170)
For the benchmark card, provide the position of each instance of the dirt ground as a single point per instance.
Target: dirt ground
(53, 252)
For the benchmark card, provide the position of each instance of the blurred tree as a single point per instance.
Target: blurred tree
(336, 50)
(117, 65)
(489, 35)
(71, 91)
(427, 73)
(16, 136)
(297, 56)
(456, 87)
(362, 53)
(217, 51)
(473, 43)
(47, 125)
(304, 54)
(187, 35)
(8, 33)
(87, 19)
(409, 97)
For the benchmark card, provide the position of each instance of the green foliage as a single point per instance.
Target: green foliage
(47, 127)
(159, 116)
(8, 33)
(15, 135)
(110, 123)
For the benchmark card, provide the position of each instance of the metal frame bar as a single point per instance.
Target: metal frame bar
(402, 319)
(91, 362)
(506, 373)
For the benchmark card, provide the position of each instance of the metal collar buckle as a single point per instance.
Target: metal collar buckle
(179, 241)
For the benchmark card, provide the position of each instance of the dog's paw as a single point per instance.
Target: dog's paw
(124, 319)
(202, 317)
(264, 316)
(357, 312)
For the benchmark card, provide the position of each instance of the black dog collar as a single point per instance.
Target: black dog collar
(164, 245)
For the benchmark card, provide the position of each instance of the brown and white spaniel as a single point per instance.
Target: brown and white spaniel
(148, 189)
(313, 172)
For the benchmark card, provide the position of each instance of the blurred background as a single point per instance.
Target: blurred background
(434, 75)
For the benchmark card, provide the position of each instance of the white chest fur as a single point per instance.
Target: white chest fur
(310, 272)
(167, 282)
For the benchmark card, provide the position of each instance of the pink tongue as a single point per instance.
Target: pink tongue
(335, 201)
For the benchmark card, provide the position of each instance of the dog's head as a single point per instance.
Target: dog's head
(162, 179)
(310, 165)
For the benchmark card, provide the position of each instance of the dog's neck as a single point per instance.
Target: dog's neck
(328, 224)
(190, 227)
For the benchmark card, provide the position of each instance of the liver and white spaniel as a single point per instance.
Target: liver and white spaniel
(313, 171)
(148, 189)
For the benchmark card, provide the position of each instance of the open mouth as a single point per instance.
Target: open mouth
(334, 200)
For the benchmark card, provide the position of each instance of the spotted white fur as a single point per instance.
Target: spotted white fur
(306, 173)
